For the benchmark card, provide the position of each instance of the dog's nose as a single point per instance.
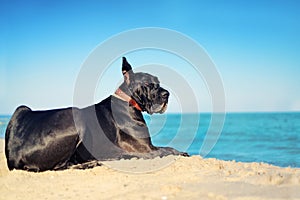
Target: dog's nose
(165, 94)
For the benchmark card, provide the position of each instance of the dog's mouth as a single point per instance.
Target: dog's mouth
(158, 108)
(164, 108)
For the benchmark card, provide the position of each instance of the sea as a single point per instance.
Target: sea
(272, 138)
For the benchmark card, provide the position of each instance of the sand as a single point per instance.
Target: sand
(160, 178)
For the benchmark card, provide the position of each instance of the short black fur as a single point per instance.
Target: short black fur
(81, 138)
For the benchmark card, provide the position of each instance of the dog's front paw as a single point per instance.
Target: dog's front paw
(185, 154)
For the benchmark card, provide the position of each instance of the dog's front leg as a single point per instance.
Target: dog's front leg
(165, 151)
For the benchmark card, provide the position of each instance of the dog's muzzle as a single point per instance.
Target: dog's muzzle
(165, 97)
(164, 94)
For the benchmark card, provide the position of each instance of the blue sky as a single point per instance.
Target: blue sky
(254, 44)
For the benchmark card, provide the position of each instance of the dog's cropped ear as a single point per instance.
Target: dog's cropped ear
(126, 70)
(126, 67)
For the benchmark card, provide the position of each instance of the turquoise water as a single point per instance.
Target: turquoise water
(4, 119)
(249, 137)
(273, 138)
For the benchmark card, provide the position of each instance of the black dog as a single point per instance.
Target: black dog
(110, 130)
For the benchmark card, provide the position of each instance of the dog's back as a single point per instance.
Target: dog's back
(36, 140)
(11, 142)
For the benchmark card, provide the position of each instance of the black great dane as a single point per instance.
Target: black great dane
(110, 130)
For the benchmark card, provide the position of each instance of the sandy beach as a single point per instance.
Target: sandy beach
(161, 178)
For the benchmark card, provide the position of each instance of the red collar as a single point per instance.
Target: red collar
(120, 94)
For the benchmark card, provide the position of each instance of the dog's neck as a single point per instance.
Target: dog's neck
(123, 96)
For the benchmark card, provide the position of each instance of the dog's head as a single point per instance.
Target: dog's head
(145, 89)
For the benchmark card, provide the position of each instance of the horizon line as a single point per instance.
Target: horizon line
(206, 112)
